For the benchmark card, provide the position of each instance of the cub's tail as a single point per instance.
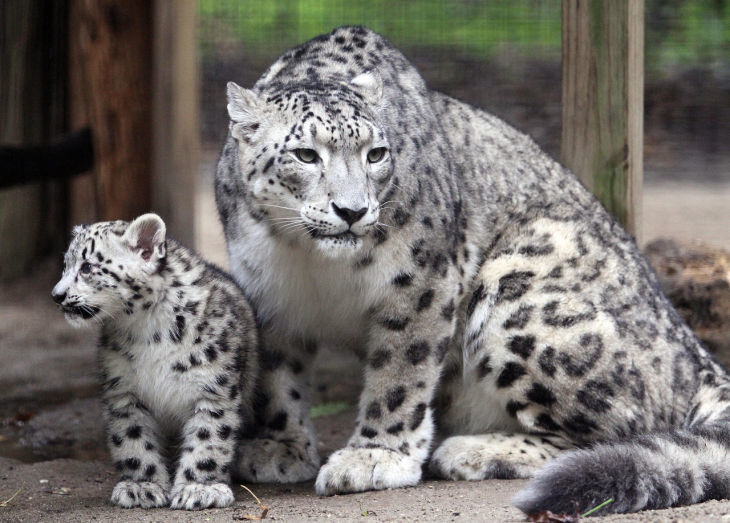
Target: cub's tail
(651, 471)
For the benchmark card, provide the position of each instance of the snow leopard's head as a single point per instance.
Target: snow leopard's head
(313, 160)
(108, 266)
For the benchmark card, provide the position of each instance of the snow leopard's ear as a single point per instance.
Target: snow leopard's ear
(242, 109)
(146, 237)
(370, 85)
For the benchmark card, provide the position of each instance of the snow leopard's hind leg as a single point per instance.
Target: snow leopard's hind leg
(494, 456)
(649, 471)
(494, 396)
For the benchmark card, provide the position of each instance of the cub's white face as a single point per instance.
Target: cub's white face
(313, 164)
(107, 266)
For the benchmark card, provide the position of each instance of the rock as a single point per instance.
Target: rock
(696, 279)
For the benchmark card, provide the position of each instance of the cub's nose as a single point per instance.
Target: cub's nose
(58, 298)
(349, 215)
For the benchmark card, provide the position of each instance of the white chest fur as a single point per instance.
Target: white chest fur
(306, 293)
(147, 369)
(168, 394)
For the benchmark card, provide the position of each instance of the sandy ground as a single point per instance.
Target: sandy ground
(51, 444)
(688, 212)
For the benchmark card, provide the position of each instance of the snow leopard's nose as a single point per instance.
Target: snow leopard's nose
(58, 298)
(349, 215)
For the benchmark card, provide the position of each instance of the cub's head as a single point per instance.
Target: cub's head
(108, 269)
(314, 160)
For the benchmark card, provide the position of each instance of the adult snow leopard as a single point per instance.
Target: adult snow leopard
(490, 294)
(178, 360)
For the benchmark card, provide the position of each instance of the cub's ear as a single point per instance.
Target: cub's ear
(146, 237)
(370, 85)
(242, 109)
(78, 229)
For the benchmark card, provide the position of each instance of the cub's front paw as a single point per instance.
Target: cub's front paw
(359, 469)
(143, 494)
(196, 496)
(266, 460)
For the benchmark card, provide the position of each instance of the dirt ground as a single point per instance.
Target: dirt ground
(54, 465)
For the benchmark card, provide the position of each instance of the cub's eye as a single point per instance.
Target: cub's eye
(377, 154)
(85, 268)
(306, 155)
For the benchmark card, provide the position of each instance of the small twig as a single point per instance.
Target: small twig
(264, 508)
(599, 507)
(5, 503)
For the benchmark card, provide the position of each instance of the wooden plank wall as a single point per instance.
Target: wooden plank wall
(603, 102)
(32, 112)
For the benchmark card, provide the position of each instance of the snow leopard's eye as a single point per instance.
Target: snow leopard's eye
(85, 268)
(377, 154)
(306, 155)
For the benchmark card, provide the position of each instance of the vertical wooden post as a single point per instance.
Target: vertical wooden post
(603, 102)
(113, 46)
(176, 123)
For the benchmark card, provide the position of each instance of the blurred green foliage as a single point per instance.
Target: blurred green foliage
(687, 32)
(460, 24)
(678, 32)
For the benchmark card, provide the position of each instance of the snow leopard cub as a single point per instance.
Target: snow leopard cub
(178, 360)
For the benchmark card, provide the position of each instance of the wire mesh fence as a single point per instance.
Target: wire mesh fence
(503, 56)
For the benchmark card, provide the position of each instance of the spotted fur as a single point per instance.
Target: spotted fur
(178, 361)
(462, 257)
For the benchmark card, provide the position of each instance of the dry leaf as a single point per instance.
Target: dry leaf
(550, 517)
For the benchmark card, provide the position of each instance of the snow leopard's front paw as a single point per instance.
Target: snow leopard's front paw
(197, 496)
(266, 460)
(360, 469)
(145, 494)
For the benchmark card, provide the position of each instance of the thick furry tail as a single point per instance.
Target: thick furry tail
(651, 471)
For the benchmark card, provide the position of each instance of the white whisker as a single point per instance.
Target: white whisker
(283, 219)
(279, 207)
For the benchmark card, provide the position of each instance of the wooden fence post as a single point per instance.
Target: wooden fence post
(176, 123)
(603, 102)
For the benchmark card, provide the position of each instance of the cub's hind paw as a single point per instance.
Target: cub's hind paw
(266, 460)
(360, 469)
(196, 496)
(145, 494)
